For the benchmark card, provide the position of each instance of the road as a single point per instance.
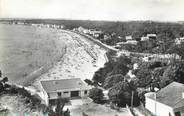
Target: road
(104, 46)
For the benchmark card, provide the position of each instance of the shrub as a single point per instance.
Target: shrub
(96, 94)
(89, 82)
(13, 89)
(1, 87)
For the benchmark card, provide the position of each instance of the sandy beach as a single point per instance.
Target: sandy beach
(81, 59)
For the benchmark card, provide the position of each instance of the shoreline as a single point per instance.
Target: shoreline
(37, 73)
(74, 62)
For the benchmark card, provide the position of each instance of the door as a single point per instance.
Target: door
(74, 93)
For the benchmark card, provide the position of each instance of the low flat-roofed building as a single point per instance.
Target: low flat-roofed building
(151, 35)
(132, 42)
(148, 37)
(144, 38)
(169, 101)
(128, 37)
(65, 88)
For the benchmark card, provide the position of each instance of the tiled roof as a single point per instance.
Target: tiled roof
(171, 95)
(64, 84)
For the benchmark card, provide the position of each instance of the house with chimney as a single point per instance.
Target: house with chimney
(64, 88)
(169, 101)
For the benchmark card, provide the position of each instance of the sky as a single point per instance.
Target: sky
(116, 10)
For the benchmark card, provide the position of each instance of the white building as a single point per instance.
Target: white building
(131, 42)
(128, 37)
(161, 57)
(153, 36)
(135, 66)
(179, 40)
(144, 38)
(168, 101)
(95, 33)
(81, 29)
(148, 36)
(64, 88)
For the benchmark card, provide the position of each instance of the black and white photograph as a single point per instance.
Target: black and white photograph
(91, 58)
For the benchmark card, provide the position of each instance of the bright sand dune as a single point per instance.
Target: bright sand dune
(81, 59)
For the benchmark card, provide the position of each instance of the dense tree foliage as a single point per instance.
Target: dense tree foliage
(174, 72)
(177, 49)
(150, 74)
(119, 66)
(159, 74)
(121, 93)
(144, 76)
(113, 80)
(3, 82)
(96, 94)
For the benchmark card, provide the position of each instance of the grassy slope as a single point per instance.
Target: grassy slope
(24, 49)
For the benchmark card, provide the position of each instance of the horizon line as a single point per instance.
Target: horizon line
(141, 20)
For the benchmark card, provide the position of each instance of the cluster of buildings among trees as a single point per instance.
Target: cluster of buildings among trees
(146, 42)
(156, 76)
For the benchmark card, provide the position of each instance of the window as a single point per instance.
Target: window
(177, 114)
(59, 94)
(85, 92)
(66, 92)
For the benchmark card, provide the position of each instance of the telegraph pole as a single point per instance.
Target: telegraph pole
(132, 99)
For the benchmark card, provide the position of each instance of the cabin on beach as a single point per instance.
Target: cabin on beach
(64, 88)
